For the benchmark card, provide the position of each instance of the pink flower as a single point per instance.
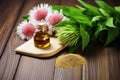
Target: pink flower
(28, 30)
(40, 14)
(25, 30)
(55, 18)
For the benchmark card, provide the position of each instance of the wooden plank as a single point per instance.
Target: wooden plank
(70, 3)
(35, 69)
(8, 61)
(114, 63)
(8, 15)
(98, 63)
(32, 68)
(77, 73)
(103, 63)
(68, 74)
(119, 51)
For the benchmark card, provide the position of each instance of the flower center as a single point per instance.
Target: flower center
(40, 14)
(28, 30)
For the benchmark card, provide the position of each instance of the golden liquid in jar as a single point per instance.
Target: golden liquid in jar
(42, 40)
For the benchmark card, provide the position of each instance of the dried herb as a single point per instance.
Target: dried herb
(70, 60)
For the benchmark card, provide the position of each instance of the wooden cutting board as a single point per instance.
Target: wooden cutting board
(28, 48)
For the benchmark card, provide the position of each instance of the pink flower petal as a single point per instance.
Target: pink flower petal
(55, 18)
(28, 30)
(40, 14)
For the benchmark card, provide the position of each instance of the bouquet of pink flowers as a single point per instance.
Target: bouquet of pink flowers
(41, 13)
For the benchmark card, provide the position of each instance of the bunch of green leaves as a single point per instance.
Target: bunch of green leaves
(89, 23)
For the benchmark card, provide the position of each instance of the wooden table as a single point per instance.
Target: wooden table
(103, 63)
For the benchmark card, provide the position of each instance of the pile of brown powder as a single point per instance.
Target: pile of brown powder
(70, 61)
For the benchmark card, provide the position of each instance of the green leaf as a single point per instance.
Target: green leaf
(97, 18)
(81, 8)
(92, 8)
(74, 14)
(66, 22)
(67, 8)
(103, 12)
(85, 37)
(68, 11)
(88, 13)
(112, 34)
(117, 8)
(83, 20)
(105, 6)
(109, 22)
(100, 28)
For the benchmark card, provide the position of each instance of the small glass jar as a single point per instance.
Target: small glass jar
(42, 38)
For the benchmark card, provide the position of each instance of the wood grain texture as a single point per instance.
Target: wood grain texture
(114, 63)
(35, 69)
(68, 74)
(103, 63)
(9, 60)
(77, 73)
(8, 15)
(70, 3)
